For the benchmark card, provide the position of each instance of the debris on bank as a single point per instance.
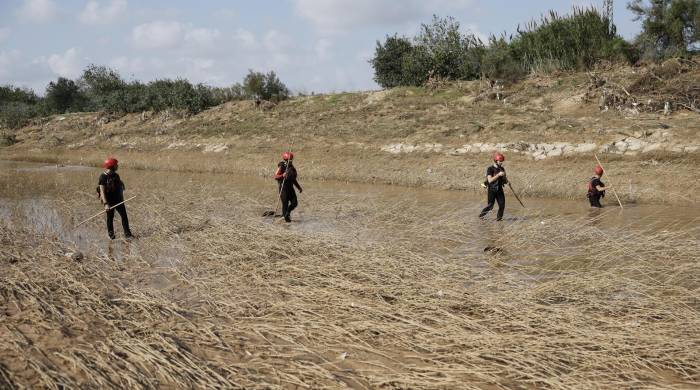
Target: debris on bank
(541, 151)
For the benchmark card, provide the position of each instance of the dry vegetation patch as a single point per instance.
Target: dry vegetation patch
(250, 303)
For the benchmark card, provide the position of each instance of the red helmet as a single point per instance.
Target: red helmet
(598, 170)
(110, 163)
(499, 157)
(287, 156)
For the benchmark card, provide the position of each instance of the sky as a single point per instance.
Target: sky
(313, 45)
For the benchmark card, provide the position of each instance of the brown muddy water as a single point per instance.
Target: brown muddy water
(52, 199)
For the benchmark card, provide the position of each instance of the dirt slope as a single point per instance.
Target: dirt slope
(439, 136)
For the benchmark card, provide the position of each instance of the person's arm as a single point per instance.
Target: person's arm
(492, 178)
(296, 184)
(601, 188)
(279, 174)
(103, 197)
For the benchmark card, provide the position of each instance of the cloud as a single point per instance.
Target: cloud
(276, 41)
(127, 66)
(157, 35)
(203, 70)
(203, 37)
(96, 13)
(67, 64)
(278, 46)
(245, 38)
(340, 15)
(38, 11)
(322, 49)
(7, 60)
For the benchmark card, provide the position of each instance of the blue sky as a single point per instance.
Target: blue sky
(313, 45)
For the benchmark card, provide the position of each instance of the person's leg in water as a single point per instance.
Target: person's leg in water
(284, 195)
(501, 199)
(595, 201)
(110, 223)
(293, 202)
(121, 209)
(491, 199)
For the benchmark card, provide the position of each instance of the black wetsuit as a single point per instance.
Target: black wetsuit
(593, 194)
(286, 188)
(495, 192)
(114, 194)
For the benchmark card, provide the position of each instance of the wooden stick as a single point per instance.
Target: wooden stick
(104, 211)
(611, 186)
(516, 195)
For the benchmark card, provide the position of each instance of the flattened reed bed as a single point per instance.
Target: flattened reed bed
(254, 304)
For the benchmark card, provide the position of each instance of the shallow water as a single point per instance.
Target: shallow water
(34, 195)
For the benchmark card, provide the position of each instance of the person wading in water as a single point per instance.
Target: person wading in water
(495, 181)
(596, 188)
(111, 191)
(286, 176)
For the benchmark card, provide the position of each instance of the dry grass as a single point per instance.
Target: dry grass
(375, 297)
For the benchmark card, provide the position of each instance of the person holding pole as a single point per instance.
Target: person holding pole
(111, 191)
(286, 176)
(596, 188)
(495, 181)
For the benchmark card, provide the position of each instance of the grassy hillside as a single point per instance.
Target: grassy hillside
(437, 136)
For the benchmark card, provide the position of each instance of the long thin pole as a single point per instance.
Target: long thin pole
(516, 195)
(611, 186)
(104, 211)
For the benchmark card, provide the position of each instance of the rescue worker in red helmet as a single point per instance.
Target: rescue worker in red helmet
(111, 192)
(495, 182)
(596, 188)
(286, 176)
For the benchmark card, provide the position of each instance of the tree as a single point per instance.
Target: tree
(273, 88)
(499, 60)
(63, 95)
(104, 88)
(264, 86)
(669, 27)
(10, 93)
(17, 106)
(389, 61)
(101, 80)
(454, 56)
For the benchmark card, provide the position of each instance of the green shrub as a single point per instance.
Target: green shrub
(500, 62)
(440, 48)
(64, 95)
(9, 93)
(454, 56)
(576, 41)
(14, 115)
(264, 86)
(389, 61)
